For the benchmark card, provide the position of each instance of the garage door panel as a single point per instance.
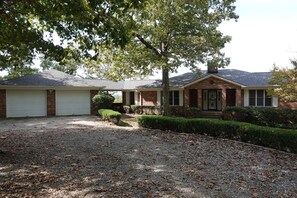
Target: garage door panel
(23, 103)
(72, 102)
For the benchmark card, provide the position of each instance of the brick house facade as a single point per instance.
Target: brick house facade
(207, 91)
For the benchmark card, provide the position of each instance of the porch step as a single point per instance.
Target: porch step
(211, 114)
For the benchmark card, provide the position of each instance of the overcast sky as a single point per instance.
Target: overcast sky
(265, 34)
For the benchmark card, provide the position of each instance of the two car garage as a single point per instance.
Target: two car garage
(33, 103)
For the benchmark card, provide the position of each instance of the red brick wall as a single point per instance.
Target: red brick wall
(287, 105)
(149, 98)
(92, 94)
(51, 102)
(213, 83)
(2, 103)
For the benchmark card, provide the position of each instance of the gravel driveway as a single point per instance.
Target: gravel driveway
(85, 157)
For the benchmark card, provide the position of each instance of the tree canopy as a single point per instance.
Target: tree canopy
(27, 28)
(127, 38)
(286, 80)
(169, 34)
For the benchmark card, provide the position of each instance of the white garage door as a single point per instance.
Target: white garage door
(72, 102)
(23, 103)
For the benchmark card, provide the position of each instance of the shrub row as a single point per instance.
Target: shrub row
(110, 115)
(281, 139)
(282, 118)
(177, 111)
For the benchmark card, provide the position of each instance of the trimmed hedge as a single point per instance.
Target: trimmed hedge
(281, 139)
(110, 115)
(282, 118)
(177, 111)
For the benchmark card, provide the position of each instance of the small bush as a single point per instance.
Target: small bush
(192, 112)
(103, 101)
(118, 107)
(281, 139)
(177, 111)
(127, 108)
(110, 115)
(282, 118)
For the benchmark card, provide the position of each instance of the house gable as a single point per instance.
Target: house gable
(213, 80)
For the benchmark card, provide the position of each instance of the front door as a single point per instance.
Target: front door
(212, 100)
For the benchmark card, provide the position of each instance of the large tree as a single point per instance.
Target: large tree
(286, 81)
(26, 28)
(168, 34)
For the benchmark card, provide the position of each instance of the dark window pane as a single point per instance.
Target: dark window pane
(268, 100)
(252, 97)
(176, 98)
(132, 98)
(170, 98)
(260, 98)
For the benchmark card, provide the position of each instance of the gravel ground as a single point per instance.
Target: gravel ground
(84, 157)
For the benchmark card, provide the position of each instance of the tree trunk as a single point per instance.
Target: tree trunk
(165, 82)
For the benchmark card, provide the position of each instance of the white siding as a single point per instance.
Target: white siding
(246, 98)
(181, 98)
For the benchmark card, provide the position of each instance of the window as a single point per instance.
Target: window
(132, 98)
(252, 98)
(259, 98)
(173, 98)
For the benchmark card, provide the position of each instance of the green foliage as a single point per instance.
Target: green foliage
(103, 101)
(18, 71)
(127, 108)
(282, 118)
(286, 81)
(178, 111)
(189, 112)
(27, 28)
(110, 115)
(168, 34)
(281, 139)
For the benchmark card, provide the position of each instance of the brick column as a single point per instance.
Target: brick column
(238, 97)
(200, 98)
(2, 103)
(92, 94)
(224, 98)
(51, 102)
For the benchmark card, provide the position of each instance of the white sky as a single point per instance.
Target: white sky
(265, 34)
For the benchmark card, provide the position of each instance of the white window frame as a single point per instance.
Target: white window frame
(256, 98)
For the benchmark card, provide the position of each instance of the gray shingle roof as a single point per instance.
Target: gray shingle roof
(54, 78)
(248, 79)
(51, 78)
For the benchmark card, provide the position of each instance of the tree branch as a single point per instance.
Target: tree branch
(147, 44)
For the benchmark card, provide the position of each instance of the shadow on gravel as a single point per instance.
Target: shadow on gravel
(109, 161)
(81, 162)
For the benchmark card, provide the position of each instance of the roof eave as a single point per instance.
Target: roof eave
(51, 87)
(215, 76)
